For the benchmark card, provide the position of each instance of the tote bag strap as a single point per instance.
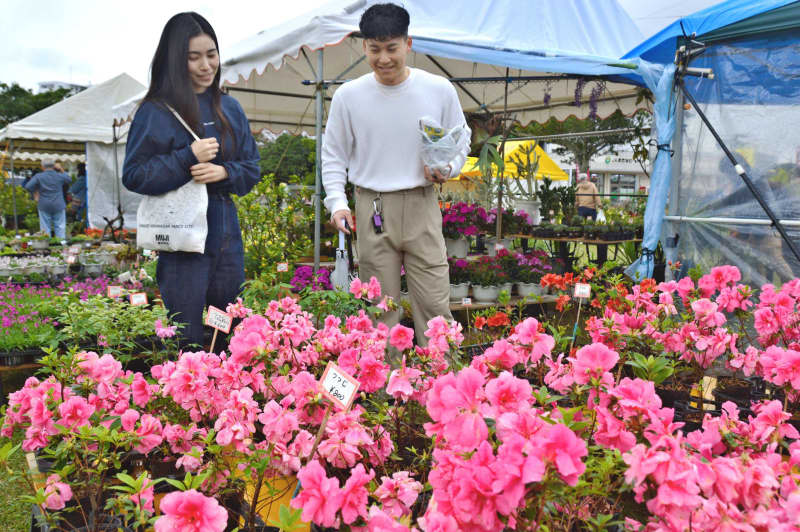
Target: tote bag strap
(184, 124)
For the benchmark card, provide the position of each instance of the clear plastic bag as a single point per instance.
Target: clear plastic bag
(439, 146)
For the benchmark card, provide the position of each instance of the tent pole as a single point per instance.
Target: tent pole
(13, 186)
(502, 158)
(116, 183)
(742, 173)
(318, 180)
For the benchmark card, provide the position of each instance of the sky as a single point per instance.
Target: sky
(91, 41)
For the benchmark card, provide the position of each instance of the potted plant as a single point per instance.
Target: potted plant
(458, 223)
(486, 276)
(530, 269)
(39, 241)
(459, 278)
(524, 189)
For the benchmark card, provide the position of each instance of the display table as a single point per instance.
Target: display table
(532, 300)
(564, 251)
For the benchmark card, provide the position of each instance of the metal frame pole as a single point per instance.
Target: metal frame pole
(742, 173)
(13, 185)
(318, 181)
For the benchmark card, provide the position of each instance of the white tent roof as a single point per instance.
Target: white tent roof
(84, 117)
(39, 156)
(478, 39)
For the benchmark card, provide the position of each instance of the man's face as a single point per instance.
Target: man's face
(388, 58)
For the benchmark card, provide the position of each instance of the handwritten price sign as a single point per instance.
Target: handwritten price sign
(218, 319)
(138, 298)
(283, 266)
(114, 291)
(338, 386)
(583, 290)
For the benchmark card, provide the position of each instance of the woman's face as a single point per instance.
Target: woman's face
(203, 62)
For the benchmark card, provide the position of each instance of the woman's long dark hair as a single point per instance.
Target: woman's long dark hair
(169, 74)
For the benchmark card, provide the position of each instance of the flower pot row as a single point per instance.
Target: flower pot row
(490, 294)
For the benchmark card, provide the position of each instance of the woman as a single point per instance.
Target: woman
(162, 156)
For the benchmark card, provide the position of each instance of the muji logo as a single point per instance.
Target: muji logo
(162, 239)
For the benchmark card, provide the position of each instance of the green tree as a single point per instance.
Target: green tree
(289, 155)
(18, 102)
(580, 150)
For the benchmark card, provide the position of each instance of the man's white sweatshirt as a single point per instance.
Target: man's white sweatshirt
(372, 134)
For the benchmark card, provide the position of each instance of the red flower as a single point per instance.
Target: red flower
(480, 321)
(561, 302)
(498, 320)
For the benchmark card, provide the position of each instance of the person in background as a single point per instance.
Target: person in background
(48, 188)
(372, 139)
(587, 199)
(162, 156)
(79, 191)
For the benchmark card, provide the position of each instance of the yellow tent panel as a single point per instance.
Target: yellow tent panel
(547, 167)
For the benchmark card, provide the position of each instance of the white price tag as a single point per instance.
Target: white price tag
(124, 277)
(466, 301)
(137, 299)
(30, 243)
(583, 290)
(218, 319)
(499, 246)
(71, 259)
(283, 266)
(146, 252)
(338, 386)
(63, 242)
(114, 291)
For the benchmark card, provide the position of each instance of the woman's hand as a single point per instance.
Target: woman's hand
(204, 173)
(205, 149)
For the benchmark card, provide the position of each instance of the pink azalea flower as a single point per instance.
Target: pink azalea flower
(398, 494)
(357, 288)
(564, 449)
(354, 494)
(320, 497)
(592, 361)
(56, 493)
(164, 332)
(373, 288)
(149, 433)
(75, 412)
(401, 338)
(191, 511)
(129, 419)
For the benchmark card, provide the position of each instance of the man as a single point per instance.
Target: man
(372, 140)
(79, 191)
(586, 198)
(48, 190)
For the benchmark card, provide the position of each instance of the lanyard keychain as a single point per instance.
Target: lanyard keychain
(377, 217)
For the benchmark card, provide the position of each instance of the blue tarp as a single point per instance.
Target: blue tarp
(660, 48)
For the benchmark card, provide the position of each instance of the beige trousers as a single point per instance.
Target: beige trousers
(412, 238)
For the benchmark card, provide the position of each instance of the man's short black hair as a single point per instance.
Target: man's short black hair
(383, 22)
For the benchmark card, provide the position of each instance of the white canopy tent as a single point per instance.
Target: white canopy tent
(79, 125)
(525, 58)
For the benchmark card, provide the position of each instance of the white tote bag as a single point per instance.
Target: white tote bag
(175, 221)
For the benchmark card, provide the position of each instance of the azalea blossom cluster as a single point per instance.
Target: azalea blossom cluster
(458, 220)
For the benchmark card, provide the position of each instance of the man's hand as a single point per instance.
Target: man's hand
(339, 217)
(205, 149)
(437, 176)
(205, 173)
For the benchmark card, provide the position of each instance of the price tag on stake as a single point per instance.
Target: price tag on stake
(114, 291)
(124, 277)
(337, 386)
(71, 259)
(583, 290)
(466, 301)
(218, 319)
(138, 299)
(283, 266)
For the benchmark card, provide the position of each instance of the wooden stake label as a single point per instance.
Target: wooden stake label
(339, 387)
(218, 319)
(137, 299)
